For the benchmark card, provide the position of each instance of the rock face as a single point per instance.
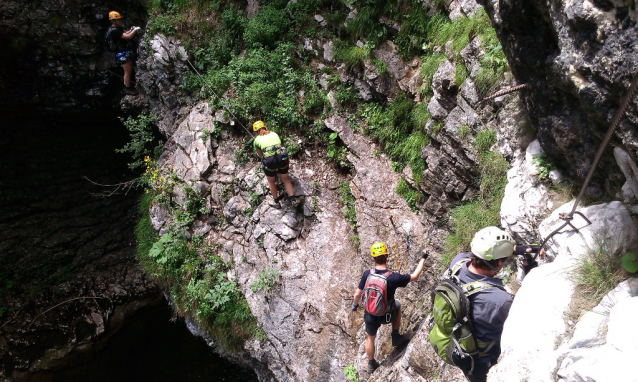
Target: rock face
(160, 69)
(578, 58)
(534, 355)
(311, 332)
(54, 55)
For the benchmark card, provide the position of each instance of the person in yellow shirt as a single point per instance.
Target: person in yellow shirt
(275, 161)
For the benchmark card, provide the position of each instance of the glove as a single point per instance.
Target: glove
(137, 29)
(522, 249)
(425, 254)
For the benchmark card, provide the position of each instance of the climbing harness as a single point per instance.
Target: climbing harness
(568, 217)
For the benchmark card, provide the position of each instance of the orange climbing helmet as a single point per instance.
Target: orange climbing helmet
(378, 249)
(258, 125)
(114, 15)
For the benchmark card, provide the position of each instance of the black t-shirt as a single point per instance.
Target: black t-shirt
(395, 280)
(116, 35)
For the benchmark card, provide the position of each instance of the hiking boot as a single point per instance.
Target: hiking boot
(130, 90)
(399, 340)
(294, 202)
(372, 365)
(274, 203)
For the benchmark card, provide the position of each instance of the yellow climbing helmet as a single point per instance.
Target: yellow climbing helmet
(114, 15)
(378, 249)
(258, 125)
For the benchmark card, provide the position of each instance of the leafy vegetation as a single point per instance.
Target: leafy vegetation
(142, 136)
(351, 373)
(399, 128)
(543, 165)
(266, 280)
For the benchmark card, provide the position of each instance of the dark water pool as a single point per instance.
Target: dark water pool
(152, 348)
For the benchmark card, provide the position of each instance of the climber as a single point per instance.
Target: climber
(274, 160)
(376, 292)
(119, 41)
(489, 303)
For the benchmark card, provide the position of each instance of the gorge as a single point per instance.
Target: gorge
(381, 106)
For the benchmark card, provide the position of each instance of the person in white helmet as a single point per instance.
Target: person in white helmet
(491, 247)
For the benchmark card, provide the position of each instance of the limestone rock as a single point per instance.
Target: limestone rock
(629, 169)
(528, 354)
(327, 51)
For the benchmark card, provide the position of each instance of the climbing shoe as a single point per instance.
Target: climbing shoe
(372, 365)
(399, 340)
(274, 203)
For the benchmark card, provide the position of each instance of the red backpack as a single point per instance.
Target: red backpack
(374, 298)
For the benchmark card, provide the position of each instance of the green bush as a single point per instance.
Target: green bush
(142, 137)
(200, 289)
(337, 152)
(266, 28)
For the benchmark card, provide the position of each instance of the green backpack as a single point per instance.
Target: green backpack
(453, 331)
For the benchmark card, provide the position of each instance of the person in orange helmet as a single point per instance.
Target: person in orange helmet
(118, 41)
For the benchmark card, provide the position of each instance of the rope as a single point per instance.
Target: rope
(506, 91)
(362, 208)
(599, 153)
(194, 69)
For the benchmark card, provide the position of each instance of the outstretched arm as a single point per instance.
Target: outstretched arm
(356, 298)
(415, 275)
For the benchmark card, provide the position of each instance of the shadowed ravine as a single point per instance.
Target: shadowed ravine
(60, 240)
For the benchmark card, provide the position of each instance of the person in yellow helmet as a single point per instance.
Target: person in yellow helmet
(119, 42)
(275, 161)
(376, 292)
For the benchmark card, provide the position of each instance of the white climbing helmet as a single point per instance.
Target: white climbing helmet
(492, 243)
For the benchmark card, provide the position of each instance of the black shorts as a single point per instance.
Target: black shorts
(282, 168)
(374, 322)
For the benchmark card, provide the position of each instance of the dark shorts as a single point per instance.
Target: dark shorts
(374, 322)
(282, 168)
(124, 56)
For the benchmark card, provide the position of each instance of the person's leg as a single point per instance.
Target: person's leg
(272, 186)
(128, 69)
(287, 185)
(397, 339)
(396, 324)
(370, 346)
